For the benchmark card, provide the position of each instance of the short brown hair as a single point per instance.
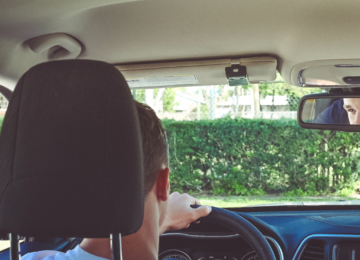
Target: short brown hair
(154, 145)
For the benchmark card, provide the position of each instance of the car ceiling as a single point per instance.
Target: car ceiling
(130, 32)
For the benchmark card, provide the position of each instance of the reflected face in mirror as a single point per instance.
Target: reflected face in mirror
(352, 107)
(325, 111)
(331, 111)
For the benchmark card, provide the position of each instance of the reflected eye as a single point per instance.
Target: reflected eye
(351, 110)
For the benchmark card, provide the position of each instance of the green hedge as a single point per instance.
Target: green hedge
(250, 157)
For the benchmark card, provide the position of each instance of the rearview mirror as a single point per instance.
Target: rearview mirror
(330, 112)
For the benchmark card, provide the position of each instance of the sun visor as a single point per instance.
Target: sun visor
(196, 73)
(330, 73)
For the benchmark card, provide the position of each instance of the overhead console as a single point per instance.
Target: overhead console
(197, 73)
(327, 73)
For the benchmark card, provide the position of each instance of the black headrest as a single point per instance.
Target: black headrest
(70, 153)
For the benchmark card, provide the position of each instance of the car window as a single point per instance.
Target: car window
(3, 106)
(242, 146)
(4, 245)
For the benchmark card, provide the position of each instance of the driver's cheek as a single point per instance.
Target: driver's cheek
(356, 120)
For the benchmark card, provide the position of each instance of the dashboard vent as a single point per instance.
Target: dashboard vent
(314, 250)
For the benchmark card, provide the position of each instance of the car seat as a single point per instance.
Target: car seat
(70, 155)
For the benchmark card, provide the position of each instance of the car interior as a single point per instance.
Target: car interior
(54, 59)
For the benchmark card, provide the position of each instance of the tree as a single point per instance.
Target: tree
(281, 88)
(164, 95)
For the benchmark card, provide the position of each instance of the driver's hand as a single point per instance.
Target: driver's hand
(180, 215)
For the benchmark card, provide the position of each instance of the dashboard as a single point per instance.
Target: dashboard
(294, 233)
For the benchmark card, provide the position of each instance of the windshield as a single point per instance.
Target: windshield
(242, 146)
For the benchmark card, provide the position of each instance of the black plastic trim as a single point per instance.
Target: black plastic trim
(323, 237)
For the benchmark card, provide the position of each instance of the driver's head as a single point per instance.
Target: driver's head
(352, 107)
(156, 162)
(154, 145)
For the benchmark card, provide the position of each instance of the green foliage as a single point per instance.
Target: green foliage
(280, 88)
(293, 100)
(139, 95)
(345, 192)
(168, 97)
(1, 121)
(295, 193)
(273, 89)
(241, 157)
(302, 193)
(251, 157)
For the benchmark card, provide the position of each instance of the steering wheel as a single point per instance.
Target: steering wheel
(242, 227)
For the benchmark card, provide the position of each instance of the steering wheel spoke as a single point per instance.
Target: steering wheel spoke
(244, 228)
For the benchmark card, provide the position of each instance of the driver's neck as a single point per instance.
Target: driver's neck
(143, 244)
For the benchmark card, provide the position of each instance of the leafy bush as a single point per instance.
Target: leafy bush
(296, 193)
(251, 157)
(345, 192)
(255, 157)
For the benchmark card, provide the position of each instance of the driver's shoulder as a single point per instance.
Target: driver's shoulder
(75, 254)
(44, 255)
(53, 255)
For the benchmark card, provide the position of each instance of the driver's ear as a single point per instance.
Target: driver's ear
(163, 185)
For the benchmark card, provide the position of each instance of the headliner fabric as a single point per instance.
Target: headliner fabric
(70, 153)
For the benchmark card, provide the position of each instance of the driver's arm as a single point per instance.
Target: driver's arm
(180, 214)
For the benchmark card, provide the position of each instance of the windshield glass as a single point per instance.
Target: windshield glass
(3, 106)
(242, 146)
